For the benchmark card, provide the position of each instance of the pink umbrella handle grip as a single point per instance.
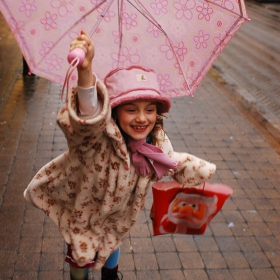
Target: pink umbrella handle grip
(79, 53)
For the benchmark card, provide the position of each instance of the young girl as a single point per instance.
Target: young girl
(95, 191)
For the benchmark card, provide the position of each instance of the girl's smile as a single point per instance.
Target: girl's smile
(137, 118)
(139, 128)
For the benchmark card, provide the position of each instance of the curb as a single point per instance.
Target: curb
(260, 113)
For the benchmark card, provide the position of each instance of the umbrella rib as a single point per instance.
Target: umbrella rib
(141, 9)
(101, 16)
(85, 15)
(120, 12)
(178, 61)
(235, 13)
(220, 45)
(157, 37)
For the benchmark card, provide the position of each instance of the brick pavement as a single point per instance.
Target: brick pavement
(254, 50)
(208, 126)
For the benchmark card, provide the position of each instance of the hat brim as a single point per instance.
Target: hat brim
(148, 95)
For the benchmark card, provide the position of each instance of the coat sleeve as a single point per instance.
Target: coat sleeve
(191, 170)
(79, 130)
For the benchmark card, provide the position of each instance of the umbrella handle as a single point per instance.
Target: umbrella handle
(79, 53)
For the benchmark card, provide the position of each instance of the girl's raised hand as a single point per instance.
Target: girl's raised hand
(85, 76)
(84, 42)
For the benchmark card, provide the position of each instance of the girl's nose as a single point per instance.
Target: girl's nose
(141, 117)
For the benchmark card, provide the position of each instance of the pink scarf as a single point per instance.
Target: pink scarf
(146, 157)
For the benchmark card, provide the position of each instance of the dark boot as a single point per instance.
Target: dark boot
(111, 274)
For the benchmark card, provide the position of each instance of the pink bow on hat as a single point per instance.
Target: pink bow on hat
(146, 156)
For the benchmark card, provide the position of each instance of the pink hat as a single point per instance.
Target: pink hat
(135, 83)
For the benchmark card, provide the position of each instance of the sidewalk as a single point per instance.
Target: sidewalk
(249, 66)
(243, 240)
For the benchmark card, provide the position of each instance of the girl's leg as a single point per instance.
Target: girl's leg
(113, 260)
(110, 269)
(78, 273)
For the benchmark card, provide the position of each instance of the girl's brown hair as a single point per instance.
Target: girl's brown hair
(158, 126)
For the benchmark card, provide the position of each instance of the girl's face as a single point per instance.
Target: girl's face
(137, 118)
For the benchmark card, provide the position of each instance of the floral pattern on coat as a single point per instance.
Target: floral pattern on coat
(92, 191)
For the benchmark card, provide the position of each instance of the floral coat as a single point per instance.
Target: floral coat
(92, 191)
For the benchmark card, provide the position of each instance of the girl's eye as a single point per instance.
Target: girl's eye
(130, 110)
(151, 110)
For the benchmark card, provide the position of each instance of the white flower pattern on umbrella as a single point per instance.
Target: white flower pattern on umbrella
(166, 48)
(54, 62)
(164, 81)
(225, 3)
(126, 58)
(159, 6)
(49, 21)
(17, 27)
(153, 30)
(184, 8)
(204, 11)
(180, 50)
(46, 47)
(28, 7)
(129, 20)
(116, 35)
(201, 39)
(63, 6)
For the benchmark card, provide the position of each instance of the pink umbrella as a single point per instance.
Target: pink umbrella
(179, 39)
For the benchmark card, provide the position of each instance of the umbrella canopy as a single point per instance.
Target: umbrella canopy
(179, 39)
